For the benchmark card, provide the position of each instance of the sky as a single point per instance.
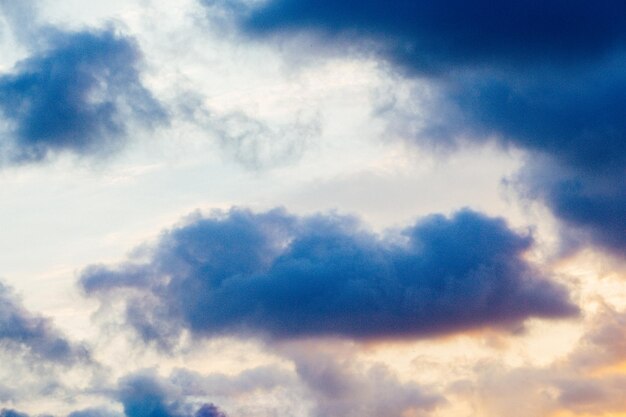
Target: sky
(263, 208)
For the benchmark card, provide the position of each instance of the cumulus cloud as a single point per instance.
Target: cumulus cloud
(78, 92)
(144, 394)
(282, 276)
(34, 335)
(547, 77)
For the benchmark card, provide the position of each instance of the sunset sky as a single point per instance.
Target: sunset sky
(312, 208)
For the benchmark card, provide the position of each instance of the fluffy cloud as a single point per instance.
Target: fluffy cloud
(145, 395)
(282, 276)
(31, 334)
(76, 93)
(547, 77)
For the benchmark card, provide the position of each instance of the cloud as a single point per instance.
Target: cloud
(22, 18)
(603, 346)
(95, 412)
(429, 36)
(145, 395)
(253, 143)
(334, 386)
(342, 387)
(569, 122)
(78, 92)
(263, 378)
(282, 276)
(546, 77)
(589, 380)
(590, 204)
(542, 392)
(90, 412)
(11, 413)
(28, 333)
(256, 144)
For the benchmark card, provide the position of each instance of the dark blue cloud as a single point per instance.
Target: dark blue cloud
(209, 410)
(434, 36)
(24, 331)
(78, 93)
(547, 77)
(571, 124)
(592, 202)
(145, 395)
(282, 276)
(5, 412)
(574, 118)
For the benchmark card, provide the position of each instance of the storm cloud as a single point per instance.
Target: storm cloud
(77, 92)
(433, 37)
(282, 276)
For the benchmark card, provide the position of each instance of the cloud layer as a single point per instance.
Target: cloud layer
(283, 276)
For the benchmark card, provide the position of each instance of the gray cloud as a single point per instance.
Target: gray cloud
(341, 387)
(34, 335)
